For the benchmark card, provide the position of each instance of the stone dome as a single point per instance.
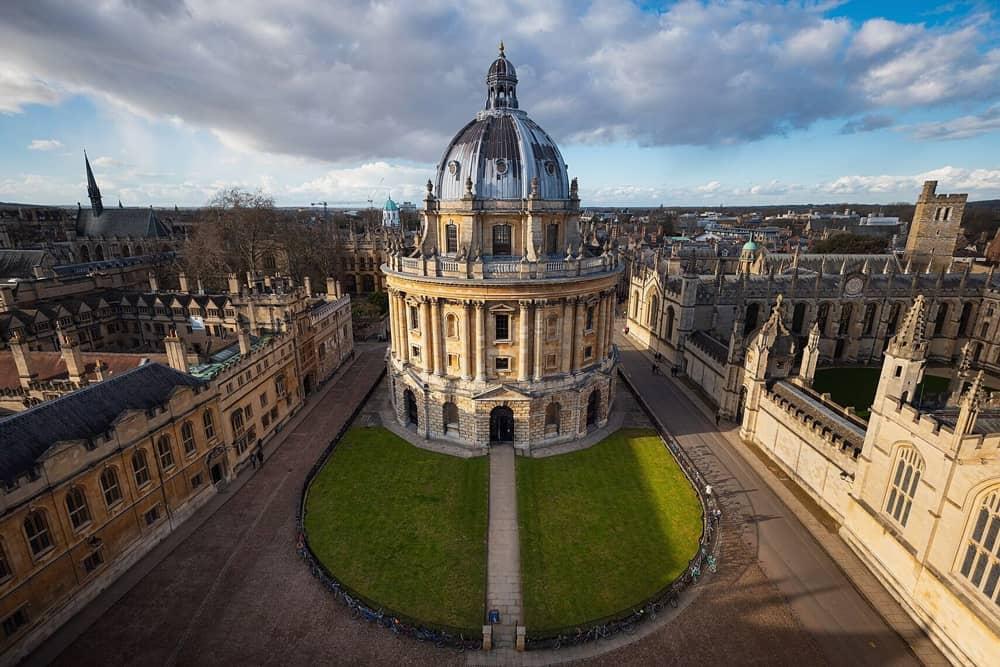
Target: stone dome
(750, 246)
(501, 150)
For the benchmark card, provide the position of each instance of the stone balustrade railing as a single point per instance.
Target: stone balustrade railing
(504, 269)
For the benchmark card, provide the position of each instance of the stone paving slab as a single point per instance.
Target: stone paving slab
(503, 563)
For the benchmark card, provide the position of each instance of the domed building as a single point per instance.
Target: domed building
(390, 214)
(502, 316)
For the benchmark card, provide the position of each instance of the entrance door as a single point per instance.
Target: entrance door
(411, 407)
(592, 408)
(216, 472)
(502, 424)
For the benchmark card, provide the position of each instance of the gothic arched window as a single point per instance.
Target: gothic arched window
(980, 564)
(903, 484)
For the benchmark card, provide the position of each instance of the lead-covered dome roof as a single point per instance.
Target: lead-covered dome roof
(502, 149)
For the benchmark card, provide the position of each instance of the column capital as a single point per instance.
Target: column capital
(524, 303)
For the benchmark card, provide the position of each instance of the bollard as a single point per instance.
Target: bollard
(487, 637)
(519, 641)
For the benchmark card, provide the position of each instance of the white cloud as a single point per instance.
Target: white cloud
(961, 128)
(44, 144)
(362, 82)
(984, 182)
(711, 186)
(372, 180)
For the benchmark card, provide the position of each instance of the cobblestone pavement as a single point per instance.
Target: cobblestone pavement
(503, 579)
(235, 592)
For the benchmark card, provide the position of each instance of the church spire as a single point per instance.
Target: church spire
(910, 341)
(93, 191)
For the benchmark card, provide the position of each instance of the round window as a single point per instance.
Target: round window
(550, 167)
(453, 167)
(501, 166)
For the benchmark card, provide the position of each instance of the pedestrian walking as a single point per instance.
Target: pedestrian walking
(708, 490)
(653, 369)
(716, 418)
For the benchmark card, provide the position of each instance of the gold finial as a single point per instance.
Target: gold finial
(501, 48)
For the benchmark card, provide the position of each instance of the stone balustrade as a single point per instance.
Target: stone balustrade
(503, 269)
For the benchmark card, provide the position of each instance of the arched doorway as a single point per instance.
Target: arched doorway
(307, 384)
(592, 401)
(411, 407)
(501, 424)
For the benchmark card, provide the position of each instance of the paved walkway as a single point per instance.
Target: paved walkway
(842, 622)
(503, 565)
(234, 591)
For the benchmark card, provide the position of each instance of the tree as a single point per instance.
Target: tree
(236, 230)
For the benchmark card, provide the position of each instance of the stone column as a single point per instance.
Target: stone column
(480, 341)
(404, 328)
(581, 313)
(609, 335)
(566, 344)
(425, 335)
(539, 339)
(438, 335)
(600, 326)
(467, 349)
(522, 343)
(395, 331)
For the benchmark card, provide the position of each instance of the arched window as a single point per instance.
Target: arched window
(449, 414)
(99, 253)
(552, 411)
(845, 319)
(501, 240)
(164, 451)
(187, 438)
(893, 319)
(552, 239)
(750, 320)
(942, 315)
(84, 254)
(798, 317)
(964, 319)
(869, 322)
(654, 312)
(236, 421)
(126, 251)
(36, 528)
(6, 571)
(635, 304)
(76, 506)
(451, 325)
(110, 488)
(822, 316)
(980, 563)
(670, 322)
(268, 261)
(208, 424)
(451, 238)
(903, 484)
(140, 467)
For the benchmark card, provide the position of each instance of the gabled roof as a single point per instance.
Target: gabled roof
(134, 222)
(83, 414)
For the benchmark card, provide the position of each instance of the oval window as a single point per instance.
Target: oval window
(501, 166)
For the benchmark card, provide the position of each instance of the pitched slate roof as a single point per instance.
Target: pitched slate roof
(86, 413)
(135, 222)
(21, 263)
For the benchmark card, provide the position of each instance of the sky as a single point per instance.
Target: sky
(674, 103)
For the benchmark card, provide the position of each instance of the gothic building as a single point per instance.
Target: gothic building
(502, 316)
(937, 224)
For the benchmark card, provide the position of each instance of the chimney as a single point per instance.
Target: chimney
(244, 338)
(234, 283)
(75, 365)
(183, 280)
(99, 370)
(307, 283)
(22, 360)
(201, 288)
(331, 289)
(340, 289)
(153, 286)
(175, 352)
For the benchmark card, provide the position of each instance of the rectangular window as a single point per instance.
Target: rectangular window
(501, 240)
(590, 318)
(152, 516)
(274, 413)
(588, 352)
(501, 326)
(414, 351)
(93, 561)
(265, 420)
(550, 361)
(451, 238)
(196, 481)
(502, 364)
(15, 622)
(414, 317)
(452, 361)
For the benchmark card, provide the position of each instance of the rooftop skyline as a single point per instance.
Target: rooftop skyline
(677, 103)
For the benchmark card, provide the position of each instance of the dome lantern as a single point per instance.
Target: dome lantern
(501, 84)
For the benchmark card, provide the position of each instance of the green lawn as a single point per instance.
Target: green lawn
(403, 526)
(856, 387)
(602, 529)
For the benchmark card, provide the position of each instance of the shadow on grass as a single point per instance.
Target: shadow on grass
(602, 529)
(402, 526)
